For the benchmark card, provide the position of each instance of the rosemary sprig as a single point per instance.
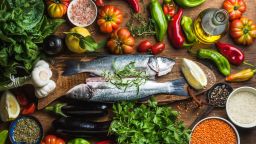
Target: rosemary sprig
(119, 77)
(139, 26)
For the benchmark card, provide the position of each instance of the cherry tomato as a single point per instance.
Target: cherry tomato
(29, 109)
(158, 48)
(144, 46)
(105, 142)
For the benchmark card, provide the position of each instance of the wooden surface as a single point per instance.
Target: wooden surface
(187, 108)
(65, 83)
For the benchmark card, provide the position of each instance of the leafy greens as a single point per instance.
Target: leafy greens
(147, 124)
(23, 27)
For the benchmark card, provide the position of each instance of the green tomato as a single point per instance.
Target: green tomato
(78, 141)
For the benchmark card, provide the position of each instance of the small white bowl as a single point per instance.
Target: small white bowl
(75, 23)
(241, 89)
(219, 118)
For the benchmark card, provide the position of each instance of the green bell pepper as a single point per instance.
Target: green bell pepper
(159, 19)
(78, 141)
(189, 3)
(3, 136)
(187, 26)
(220, 61)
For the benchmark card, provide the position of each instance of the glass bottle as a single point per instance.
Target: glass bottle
(211, 25)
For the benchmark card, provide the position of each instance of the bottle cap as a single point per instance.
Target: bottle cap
(220, 17)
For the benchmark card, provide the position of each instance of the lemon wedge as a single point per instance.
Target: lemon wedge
(193, 74)
(9, 107)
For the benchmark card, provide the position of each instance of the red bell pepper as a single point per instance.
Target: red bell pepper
(175, 33)
(29, 109)
(233, 54)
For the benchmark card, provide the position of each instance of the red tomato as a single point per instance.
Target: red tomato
(144, 46)
(52, 139)
(158, 48)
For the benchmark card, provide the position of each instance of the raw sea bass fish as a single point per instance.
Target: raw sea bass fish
(152, 65)
(102, 91)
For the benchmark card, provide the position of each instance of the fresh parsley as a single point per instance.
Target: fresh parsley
(147, 124)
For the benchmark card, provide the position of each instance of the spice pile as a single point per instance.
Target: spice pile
(213, 131)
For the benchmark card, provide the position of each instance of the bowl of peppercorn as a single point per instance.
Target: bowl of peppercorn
(25, 129)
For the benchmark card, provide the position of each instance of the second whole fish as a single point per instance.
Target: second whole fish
(152, 65)
(103, 91)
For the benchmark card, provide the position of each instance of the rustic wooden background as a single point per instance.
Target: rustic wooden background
(187, 108)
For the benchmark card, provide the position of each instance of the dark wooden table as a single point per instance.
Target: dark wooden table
(188, 112)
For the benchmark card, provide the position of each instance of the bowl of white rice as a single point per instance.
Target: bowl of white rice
(241, 107)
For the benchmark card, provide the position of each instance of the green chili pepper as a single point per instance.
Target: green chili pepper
(159, 19)
(189, 3)
(78, 141)
(187, 26)
(220, 61)
(3, 136)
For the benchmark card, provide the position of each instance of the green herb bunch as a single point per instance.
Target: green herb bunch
(147, 124)
(23, 28)
(139, 26)
(119, 77)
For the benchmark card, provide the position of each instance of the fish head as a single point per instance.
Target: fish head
(161, 65)
(82, 91)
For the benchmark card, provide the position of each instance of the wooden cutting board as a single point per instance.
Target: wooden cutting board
(65, 83)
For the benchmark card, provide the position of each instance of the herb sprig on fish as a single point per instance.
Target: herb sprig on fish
(129, 71)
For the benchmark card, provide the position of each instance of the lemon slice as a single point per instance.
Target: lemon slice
(194, 74)
(9, 107)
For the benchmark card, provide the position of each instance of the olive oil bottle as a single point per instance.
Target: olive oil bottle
(211, 25)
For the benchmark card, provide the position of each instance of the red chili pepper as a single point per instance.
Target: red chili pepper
(175, 33)
(134, 4)
(233, 54)
(105, 142)
(23, 101)
(158, 48)
(29, 109)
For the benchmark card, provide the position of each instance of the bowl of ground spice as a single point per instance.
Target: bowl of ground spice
(26, 130)
(82, 13)
(214, 130)
(241, 107)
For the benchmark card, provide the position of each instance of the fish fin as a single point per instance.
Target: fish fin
(177, 87)
(72, 67)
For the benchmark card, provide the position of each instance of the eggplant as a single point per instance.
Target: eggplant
(95, 111)
(69, 125)
(52, 45)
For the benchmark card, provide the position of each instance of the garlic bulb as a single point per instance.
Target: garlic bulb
(42, 63)
(45, 90)
(41, 76)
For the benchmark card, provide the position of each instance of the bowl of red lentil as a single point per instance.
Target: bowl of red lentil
(82, 13)
(214, 130)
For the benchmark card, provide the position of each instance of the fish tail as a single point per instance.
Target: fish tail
(72, 67)
(178, 87)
